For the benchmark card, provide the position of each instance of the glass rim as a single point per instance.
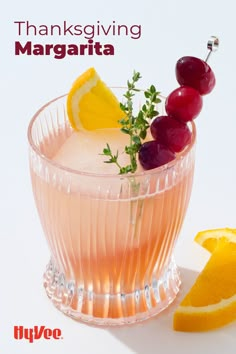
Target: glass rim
(61, 167)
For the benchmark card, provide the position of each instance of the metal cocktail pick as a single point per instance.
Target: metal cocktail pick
(212, 46)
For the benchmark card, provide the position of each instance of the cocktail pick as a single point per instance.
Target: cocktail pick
(212, 46)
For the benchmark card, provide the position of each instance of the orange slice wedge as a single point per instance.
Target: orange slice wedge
(209, 239)
(211, 302)
(91, 104)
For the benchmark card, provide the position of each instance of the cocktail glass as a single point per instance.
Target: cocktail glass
(111, 237)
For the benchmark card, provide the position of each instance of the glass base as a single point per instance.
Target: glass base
(112, 309)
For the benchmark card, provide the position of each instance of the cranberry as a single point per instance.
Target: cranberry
(196, 73)
(184, 104)
(153, 154)
(171, 132)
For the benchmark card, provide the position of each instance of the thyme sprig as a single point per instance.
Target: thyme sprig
(135, 126)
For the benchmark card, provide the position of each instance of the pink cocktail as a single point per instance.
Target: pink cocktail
(111, 237)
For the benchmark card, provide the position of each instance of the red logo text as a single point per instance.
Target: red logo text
(36, 333)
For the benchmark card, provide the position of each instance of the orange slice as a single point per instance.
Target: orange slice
(91, 104)
(211, 302)
(209, 239)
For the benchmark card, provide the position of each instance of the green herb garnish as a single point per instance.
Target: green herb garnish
(135, 126)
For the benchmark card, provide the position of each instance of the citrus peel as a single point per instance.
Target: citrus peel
(91, 104)
(211, 302)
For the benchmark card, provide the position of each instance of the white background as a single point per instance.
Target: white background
(170, 29)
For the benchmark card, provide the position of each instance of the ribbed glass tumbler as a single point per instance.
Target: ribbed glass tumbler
(111, 237)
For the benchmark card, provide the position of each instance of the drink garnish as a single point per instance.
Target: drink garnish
(91, 104)
(135, 125)
(211, 302)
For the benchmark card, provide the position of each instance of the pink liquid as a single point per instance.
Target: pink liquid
(106, 242)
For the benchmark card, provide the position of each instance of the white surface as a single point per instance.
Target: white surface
(170, 29)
